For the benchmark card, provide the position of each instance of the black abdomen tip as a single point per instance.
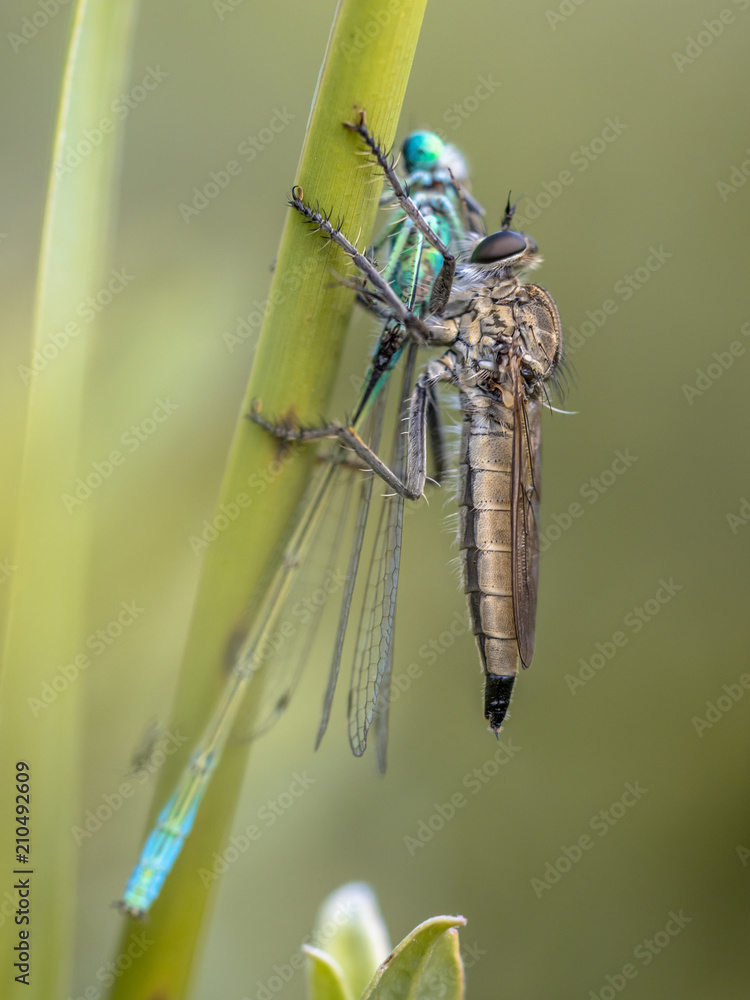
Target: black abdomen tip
(497, 692)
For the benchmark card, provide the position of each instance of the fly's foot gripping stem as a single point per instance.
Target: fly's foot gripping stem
(285, 430)
(373, 144)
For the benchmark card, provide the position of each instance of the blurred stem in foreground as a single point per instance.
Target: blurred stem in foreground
(44, 656)
(349, 958)
(367, 64)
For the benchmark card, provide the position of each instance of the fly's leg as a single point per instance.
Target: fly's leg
(422, 402)
(436, 436)
(443, 283)
(346, 436)
(381, 290)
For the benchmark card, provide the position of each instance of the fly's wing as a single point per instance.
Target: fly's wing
(525, 516)
(374, 643)
(541, 339)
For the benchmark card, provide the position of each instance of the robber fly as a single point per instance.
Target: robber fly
(503, 341)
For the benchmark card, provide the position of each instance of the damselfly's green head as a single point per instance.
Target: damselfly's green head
(426, 151)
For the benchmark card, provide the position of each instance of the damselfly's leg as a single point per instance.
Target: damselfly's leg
(443, 283)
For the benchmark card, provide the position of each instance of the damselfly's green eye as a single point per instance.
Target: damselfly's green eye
(422, 150)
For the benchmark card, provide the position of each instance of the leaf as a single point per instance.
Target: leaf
(325, 980)
(408, 973)
(350, 928)
(442, 974)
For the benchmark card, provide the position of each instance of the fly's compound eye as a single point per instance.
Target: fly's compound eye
(502, 246)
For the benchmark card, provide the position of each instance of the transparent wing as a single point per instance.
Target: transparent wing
(373, 650)
(525, 518)
(310, 566)
(314, 575)
(363, 510)
(382, 712)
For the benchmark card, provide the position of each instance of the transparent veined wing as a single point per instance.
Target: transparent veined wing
(312, 565)
(374, 640)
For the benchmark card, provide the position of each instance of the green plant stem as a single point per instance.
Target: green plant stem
(367, 64)
(39, 722)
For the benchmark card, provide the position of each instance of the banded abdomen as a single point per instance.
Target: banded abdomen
(484, 500)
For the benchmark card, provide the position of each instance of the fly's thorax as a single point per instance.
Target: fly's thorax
(539, 336)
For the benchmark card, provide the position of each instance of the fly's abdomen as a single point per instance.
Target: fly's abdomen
(485, 542)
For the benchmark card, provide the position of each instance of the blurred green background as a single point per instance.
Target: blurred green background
(649, 215)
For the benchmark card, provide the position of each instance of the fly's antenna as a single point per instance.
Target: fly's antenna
(510, 211)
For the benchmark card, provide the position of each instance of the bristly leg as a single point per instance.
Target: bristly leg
(412, 489)
(444, 281)
(382, 290)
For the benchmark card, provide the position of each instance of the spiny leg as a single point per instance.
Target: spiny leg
(382, 290)
(443, 283)
(416, 466)
(436, 435)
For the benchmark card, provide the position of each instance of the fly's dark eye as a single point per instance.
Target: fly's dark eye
(498, 247)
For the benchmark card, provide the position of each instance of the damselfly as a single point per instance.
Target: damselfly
(433, 210)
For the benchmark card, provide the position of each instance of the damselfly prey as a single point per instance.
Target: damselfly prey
(433, 210)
